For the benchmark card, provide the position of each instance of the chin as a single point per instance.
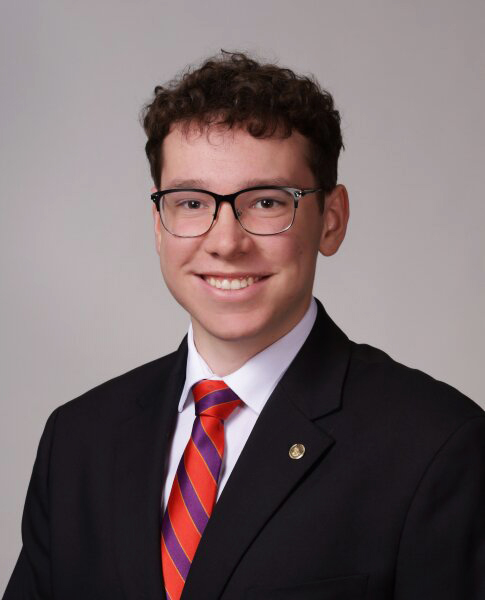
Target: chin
(235, 329)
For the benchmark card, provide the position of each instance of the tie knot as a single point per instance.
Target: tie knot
(214, 399)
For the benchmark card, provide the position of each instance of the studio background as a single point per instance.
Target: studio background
(82, 295)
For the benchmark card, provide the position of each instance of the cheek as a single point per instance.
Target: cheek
(164, 252)
(289, 253)
(174, 254)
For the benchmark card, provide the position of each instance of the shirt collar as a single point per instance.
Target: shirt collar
(257, 378)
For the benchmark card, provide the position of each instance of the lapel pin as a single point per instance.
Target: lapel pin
(297, 451)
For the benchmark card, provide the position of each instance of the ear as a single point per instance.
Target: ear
(157, 226)
(335, 218)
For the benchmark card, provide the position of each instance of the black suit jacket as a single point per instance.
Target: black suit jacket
(388, 501)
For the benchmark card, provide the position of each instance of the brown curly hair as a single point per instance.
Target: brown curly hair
(234, 90)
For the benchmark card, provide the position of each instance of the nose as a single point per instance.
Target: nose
(227, 239)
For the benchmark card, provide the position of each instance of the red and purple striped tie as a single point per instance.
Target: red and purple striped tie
(194, 488)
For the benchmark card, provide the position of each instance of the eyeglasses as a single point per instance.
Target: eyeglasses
(261, 210)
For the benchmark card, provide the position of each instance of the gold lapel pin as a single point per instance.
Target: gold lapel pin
(297, 451)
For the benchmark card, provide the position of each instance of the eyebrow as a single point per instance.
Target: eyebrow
(201, 184)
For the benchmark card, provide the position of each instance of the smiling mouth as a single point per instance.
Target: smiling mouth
(229, 283)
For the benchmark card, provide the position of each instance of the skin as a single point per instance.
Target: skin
(232, 326)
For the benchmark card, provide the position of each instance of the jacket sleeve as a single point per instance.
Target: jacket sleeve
(442, 548)
(31, 577)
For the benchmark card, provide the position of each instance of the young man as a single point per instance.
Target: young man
(269, 457)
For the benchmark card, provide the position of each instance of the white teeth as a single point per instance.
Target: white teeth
(231, 284)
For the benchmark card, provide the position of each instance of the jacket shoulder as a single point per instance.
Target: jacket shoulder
(114, 399)
(407, 397)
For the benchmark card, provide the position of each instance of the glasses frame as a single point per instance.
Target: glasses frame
(297, 194)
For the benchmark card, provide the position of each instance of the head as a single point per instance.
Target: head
(227, 125)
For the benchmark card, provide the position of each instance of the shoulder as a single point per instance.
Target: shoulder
(115, 399)
(406, 402)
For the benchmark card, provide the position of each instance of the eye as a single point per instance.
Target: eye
(267, 203)
(190, 204)
(193, 203)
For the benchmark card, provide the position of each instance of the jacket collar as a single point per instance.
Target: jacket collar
(315, 379)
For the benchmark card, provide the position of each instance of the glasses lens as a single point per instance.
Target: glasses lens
(187, 213)
(265, 211)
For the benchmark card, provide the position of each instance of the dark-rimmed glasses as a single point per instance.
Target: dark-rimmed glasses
(260, 210)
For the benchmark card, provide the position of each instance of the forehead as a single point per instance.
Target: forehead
(232, 158)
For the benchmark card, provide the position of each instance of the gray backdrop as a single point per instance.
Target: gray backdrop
(82, 296)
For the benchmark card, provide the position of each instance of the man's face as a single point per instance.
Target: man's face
(282, 266)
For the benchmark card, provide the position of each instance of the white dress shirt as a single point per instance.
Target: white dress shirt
(253, 383)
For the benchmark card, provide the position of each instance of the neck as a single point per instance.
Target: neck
(224, 356)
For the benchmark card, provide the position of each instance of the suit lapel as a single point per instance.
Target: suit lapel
(265, 475)
(142, 446)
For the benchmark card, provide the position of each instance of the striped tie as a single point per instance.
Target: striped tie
(194, 488)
